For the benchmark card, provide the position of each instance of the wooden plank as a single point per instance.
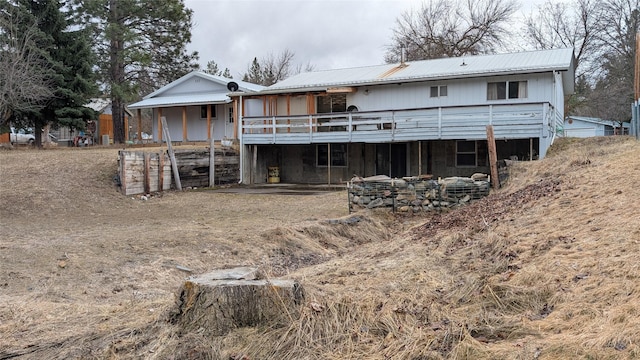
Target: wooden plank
(493, 157)
(212, 153)
(160, 125)
(174, 165)
(161, 171)
(147, 173)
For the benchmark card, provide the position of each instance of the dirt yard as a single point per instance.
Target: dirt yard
(545, 268)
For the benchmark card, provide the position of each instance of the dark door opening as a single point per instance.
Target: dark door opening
(391, 160)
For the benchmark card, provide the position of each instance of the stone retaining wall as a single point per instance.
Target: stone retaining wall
(415, 194)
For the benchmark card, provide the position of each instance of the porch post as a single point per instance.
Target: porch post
(419, 157)
(184, 124)
(209, 127)
(329, 163)
(160, 125)
(139, 113)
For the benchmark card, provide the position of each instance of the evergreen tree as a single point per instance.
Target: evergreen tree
(69, 63)
(212, 68)
(254, 73)
(142, 44)
(227, 73)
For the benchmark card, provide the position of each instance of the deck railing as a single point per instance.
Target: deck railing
(522, 120)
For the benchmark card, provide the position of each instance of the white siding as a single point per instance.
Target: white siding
(463, 92)
(195, 85)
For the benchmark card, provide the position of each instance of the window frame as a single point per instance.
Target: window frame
(466, 153)
(203, 111)
(339, 155)
(440, 91)
(504, 90)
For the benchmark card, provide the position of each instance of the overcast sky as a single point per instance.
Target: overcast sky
(328, 34)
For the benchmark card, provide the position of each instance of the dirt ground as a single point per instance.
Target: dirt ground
(544, 268)
(75, 254)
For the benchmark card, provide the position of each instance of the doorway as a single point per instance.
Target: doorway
(391, 159)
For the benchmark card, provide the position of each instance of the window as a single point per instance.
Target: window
(438, 91)
(466, 153)
(203, 111)
(506, 89)
(331, 103)
(230, 115)
(338, 154)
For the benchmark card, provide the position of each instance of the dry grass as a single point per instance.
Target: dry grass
(545, 268)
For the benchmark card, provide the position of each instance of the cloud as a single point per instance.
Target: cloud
(326, 34)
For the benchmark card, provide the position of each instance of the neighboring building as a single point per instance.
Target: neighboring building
(192, 104)
(413, 118)
(582, 126)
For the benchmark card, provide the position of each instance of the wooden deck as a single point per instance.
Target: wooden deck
(527, 120)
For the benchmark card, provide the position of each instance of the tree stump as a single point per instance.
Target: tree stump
(219, 301)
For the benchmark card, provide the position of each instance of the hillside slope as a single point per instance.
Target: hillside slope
(546, 268)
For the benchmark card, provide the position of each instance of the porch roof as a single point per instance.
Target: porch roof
(436, 69)
(182, 100)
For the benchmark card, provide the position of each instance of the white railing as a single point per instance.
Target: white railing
(467, 122)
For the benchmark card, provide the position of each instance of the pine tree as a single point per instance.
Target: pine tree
(69, 63)
(254, 74)
(142, 44)
(227, 73)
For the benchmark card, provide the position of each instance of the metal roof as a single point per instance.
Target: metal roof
(435, 69)
(182, 100)
(100, 104)
(156, 98)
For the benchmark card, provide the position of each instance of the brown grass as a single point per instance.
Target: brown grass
(545, 268)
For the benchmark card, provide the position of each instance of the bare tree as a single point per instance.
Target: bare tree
(567, 25)
(271, 69)
(23, 82)
(277, 68)
(443, 28)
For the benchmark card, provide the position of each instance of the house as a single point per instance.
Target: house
(192, 104)
(412, 118)
(582, 126)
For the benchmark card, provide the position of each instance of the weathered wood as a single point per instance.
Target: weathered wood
(147, 173)
(223, 300)
(174, 165)
(212, 152)
(493, 158)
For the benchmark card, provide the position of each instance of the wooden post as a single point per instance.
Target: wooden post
(184, 124)
(209, 125)
(419, 157)
(493, 157)
(161, 171)
(531, 149)
(139, 114)
(172, 156)
(329, 163)
(160, 125)
(254, 165)
(212, 152)
(147, 173)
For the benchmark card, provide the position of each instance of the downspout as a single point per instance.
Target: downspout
(239, 125)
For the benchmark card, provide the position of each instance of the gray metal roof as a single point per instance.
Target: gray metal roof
(182, 100)
(157, 99)
(436, 69)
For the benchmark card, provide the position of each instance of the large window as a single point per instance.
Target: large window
(438, 91)
(506, 90)
(331, 103)
(338, 154)
(466, 153)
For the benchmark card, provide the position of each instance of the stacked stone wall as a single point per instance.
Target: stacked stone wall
(415, 194)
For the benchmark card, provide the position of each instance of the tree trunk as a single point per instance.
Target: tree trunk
(220, 301)
(117, 74)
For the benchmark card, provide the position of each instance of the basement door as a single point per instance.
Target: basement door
(391, 159)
